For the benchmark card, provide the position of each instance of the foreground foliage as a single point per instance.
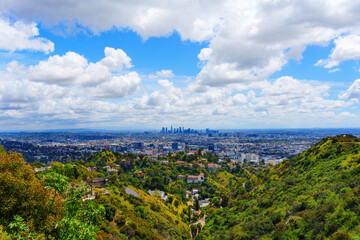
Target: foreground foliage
(22, 194)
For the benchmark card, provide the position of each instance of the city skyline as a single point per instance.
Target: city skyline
(202, 64)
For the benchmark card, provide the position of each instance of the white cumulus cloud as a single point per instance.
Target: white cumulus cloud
(74, 69)
(346, 48)
(352, 92)
(22, 36)
(162, 74)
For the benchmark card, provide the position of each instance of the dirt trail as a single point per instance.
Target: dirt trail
(201, 221)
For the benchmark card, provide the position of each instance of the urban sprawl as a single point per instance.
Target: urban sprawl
(251, 146)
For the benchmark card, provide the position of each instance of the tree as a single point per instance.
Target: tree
(38, 164)
(224, 200)
(157, 182)
(20, 230)
(79, 217)
(249, 185)
(57, 182)
(69, 171)
(21, 193)
(57, 167)
(197, 204)
(170, 199)
(194, 229)
(227, 159)
(216, 202)
(199, 227)
(189, 213)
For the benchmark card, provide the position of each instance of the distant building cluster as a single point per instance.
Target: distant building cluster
(173, 130)
(186, 131)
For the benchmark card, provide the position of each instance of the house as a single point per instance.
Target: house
(232, 166)
(181, 177)
(195, 179)
(195, 194)
(195, 212)
(110, 169)
(153, 158)
(41, 169)
(125, 162)
(97, 182)
(89, 196)
(161, 194)
(204, 203)
(91, 168)
(104, 191)
(188, 194)
(195, 191)
(213, 166)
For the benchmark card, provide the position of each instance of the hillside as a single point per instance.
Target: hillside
(315, 195)
(142, 217)
(51, 205)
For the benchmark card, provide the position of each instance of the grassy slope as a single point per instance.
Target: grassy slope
(146, 217)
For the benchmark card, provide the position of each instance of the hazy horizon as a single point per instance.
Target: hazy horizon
(156, 130)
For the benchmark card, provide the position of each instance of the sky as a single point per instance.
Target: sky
(133, 65)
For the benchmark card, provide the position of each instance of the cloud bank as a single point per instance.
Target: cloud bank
(247, 42)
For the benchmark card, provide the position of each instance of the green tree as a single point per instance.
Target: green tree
(194, 229)
(57, 182)
(224, 200)
(20, 230)
(216, 201)
(197, 204)
(69, 171)
(80, 218)
(57, 167)
(21, 193)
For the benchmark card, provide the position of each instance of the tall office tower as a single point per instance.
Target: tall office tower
(166, 130)
(179, 129)
(171, 129)
(163, 130)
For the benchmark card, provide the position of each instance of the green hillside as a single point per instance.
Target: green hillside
(51, 205)
(315, 195)
(143, 217)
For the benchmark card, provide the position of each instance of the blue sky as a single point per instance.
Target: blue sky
(200, 64)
